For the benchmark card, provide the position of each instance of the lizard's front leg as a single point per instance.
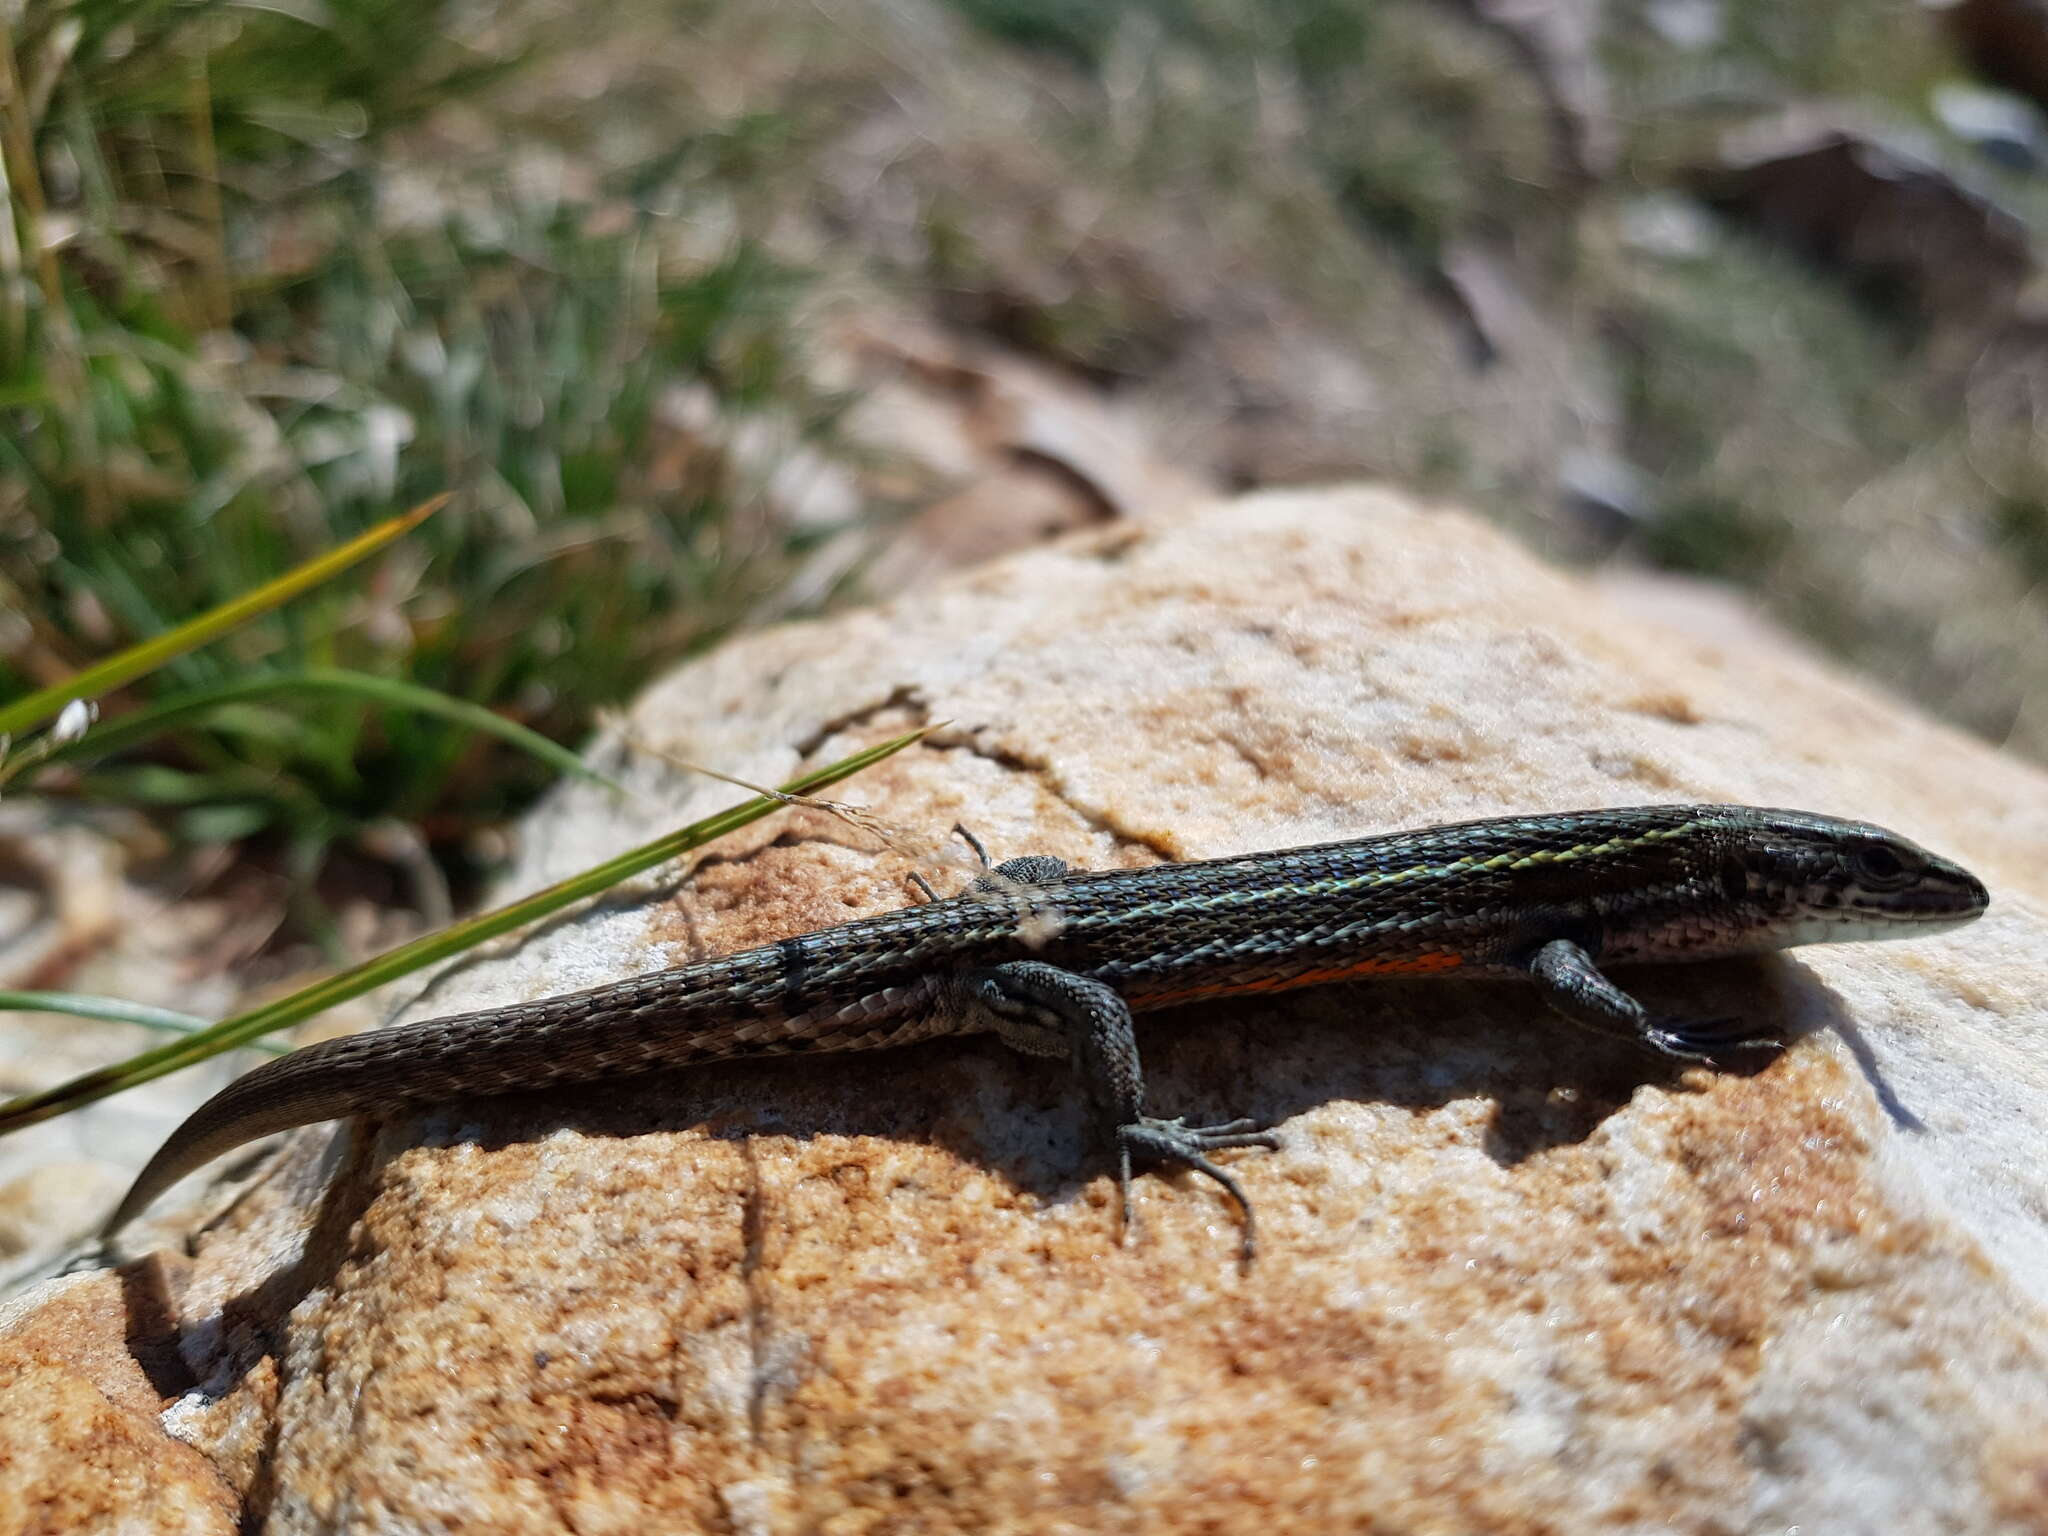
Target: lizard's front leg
(1572, 984)
(1042, 1010)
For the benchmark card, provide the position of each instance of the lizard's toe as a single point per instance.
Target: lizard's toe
(1708, 1040)
(1178, 1144)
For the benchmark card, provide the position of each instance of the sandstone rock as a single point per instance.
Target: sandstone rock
(81, 1449)
(1513, 1279)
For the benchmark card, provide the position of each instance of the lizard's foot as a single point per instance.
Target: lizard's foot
(1179, 1144)
(1706, 1040)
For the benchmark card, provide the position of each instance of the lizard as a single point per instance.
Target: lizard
(1054, 962)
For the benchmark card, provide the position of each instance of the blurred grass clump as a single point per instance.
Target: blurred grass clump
(231, 337)
(1416, 124)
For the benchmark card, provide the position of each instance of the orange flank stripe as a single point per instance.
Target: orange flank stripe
(1428, 964)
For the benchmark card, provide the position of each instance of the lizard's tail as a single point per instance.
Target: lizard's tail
(504, 1050)
(663, 1019)
(251, 1107)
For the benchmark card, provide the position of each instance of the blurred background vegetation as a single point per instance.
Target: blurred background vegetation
(1724, 286)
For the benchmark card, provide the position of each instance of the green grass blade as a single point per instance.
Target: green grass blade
(105, 676)
(144, 723)
(29, 1109)
(117, 1010)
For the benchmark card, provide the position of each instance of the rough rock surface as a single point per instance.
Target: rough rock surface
(1514, 1280)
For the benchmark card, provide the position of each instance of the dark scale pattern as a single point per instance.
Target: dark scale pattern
(1475, 899)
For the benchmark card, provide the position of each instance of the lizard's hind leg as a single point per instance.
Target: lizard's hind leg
(1042, 1010)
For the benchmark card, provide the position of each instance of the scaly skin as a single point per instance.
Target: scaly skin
(1054, 961)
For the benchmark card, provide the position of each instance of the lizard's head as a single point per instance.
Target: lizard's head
(1823, 880)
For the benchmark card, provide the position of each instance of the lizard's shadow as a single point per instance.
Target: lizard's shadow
(1419, 1045)
(1414, 1045)
(250, 1326)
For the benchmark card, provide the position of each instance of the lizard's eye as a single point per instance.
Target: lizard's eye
(1879, 865)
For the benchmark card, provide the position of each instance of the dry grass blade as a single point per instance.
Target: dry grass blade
(30, 1109)
(125, 666)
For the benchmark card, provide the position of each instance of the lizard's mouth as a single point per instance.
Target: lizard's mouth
(1851, 926)
(1936, 902)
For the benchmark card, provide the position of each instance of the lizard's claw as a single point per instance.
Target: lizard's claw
(1707, 1040)
(1177, 1143)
